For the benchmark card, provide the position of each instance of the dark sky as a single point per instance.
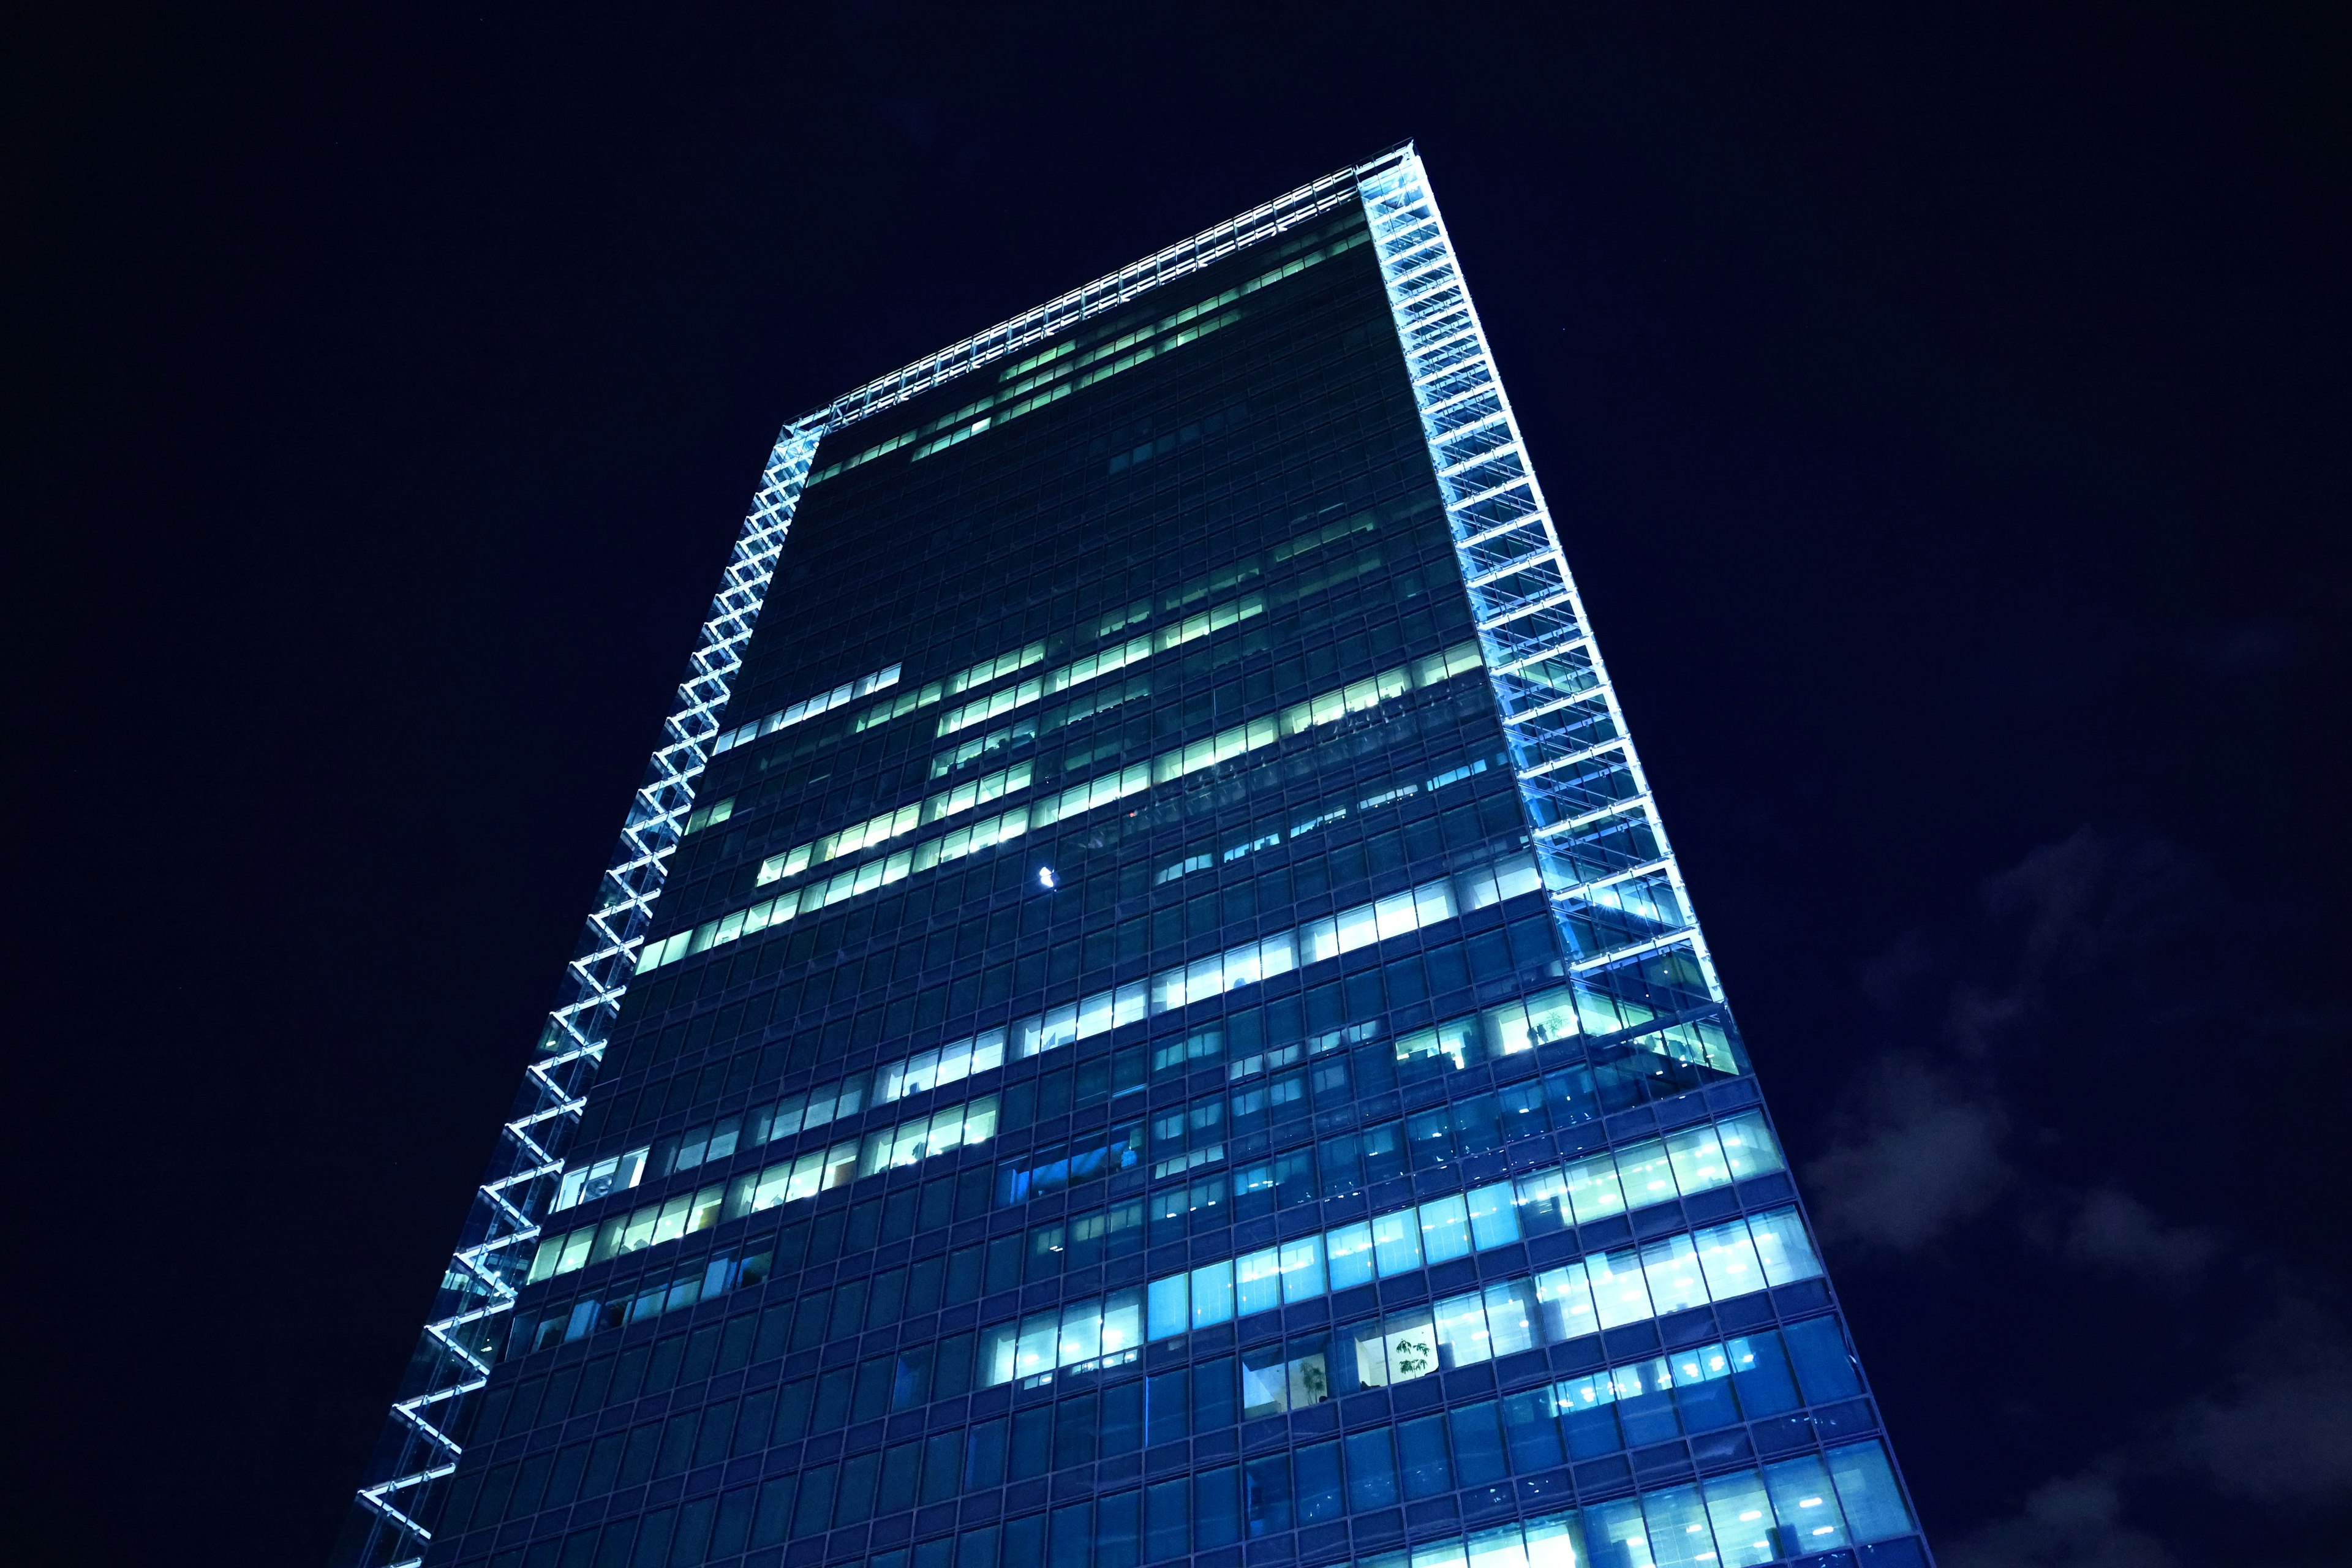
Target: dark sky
(1947, 418)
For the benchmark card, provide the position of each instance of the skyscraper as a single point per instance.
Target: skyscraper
(1143, 1012)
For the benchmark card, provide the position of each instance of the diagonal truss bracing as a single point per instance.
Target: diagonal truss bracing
(427, 1430)
(1578, 774)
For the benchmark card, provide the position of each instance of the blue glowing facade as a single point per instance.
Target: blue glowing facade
(1144, 1014)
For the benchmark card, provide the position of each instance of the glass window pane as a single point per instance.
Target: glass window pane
(1167, 1524)
(1170, 1307)
(1759, 1375)
(1122, 1321)
(1081, 1337)
(1728, 1257)
(1696, 1155)
(1867, 1490)
(1034, 1354)
(1477, 1444)
(1557, 1543)
(1445, 1229)
(1824, 1368)
(1258, 1281)
(1619, 1533)
(1543, 1202)
(1748, 1146)
(998, 1353)
(1565, 1303)
(1421, 1448)
(1213, 1294)
(1592, 1190)
(1350, 1252)
(1216, 1506)
(1265, 1382)
(1266, 1494)
(1071, 1545)
(1679, 1536)
(1401, 1349)
(1803, 1503)
(1310, 1369)
(1511, 1316)
(1302, 1268)
(1644, 1173)
(1396, 1242)
(1372, 1471)
(1462, 1331)
(1742, 1517)
(1493, 1216)
(1671, 1265)
(1531, 1430)
(1782, 1243)
(1617, 1293)
(1501, 1548)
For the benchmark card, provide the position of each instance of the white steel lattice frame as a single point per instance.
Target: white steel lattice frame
(455, 1355)
(1527, 611)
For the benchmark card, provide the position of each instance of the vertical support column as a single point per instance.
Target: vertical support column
(394, 1517)
(1635, 951)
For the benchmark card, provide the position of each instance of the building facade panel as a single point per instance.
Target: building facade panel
(1163, 1024)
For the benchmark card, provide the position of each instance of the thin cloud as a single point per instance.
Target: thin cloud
(1914, 1156)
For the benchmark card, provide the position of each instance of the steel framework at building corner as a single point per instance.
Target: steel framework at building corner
(1522, 596)
(454, 1357)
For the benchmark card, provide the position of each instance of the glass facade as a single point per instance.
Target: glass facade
(1144, 1014)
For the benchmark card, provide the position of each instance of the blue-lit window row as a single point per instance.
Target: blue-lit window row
(1473, 1450)
(1197, 756)
(1191, 1135)
(1280, 771)
(1682, 1164)
(1603, 1290)
(1789, 1509)
(807, 707)
(1362, 925)
(819, 1170)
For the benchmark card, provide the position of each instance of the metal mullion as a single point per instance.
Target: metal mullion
(1444, 330)
(1544, 770)
(1498, 443)
(1493, 455)
(1688, 933)
(1582, 639)
(1447, 435)
(1471, 540)
(1435, 420)
(1548, 709)
(1487, 494)
(1450, 366)
(1648, 868)
(1495, 574)
(1490, 557)
(1524, 610)
(1640, 803)
(1477, 375)
(1518, 610)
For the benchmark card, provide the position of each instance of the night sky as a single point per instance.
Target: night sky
(1949, 421)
